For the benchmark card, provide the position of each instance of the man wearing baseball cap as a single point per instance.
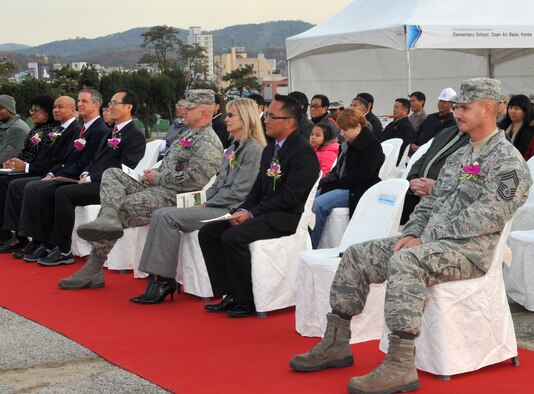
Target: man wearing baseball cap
(450, 236)
(435, 122)
(13, 129)
(188, 166)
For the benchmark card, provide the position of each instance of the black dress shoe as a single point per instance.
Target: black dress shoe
(40, 252)
(223, 306)
(28, 249)
(241, 310)
(159, 290)
(13, 244)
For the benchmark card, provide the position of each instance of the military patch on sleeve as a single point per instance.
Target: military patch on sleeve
(508, 185)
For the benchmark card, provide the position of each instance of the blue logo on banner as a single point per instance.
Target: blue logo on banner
(413, 32)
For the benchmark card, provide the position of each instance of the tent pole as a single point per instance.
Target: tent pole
(408, 72)
(289, 79)
(490, 65)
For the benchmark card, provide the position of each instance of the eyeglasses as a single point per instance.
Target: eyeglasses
(113, 102)
(273, 117)
(231, 114)
(315, 106)
(35, 110)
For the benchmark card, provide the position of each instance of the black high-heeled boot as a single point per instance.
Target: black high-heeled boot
(148, 289)
(158, 291)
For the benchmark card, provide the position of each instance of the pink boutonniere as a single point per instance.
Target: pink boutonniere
(275, 172)
(79, 144)
(114, 142)
(36, 138)
(470, 172)
(53, 135)
(230, 156)
(185, 142)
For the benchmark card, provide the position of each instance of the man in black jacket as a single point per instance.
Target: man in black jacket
(369, 115)
(51, 151)
(289, 168)
(401, 127)
(125, 144)
(424, 171)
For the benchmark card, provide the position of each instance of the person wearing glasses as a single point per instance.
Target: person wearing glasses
(125, 202)
(236, 176)
(289, 168)
(71, 161)
(319, 113)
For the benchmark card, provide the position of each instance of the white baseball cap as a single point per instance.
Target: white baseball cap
(446, 94)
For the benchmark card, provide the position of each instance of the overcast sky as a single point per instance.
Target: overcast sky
(33, 22)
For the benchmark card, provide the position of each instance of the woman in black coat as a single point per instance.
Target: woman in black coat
(519, 117)
(356, 170)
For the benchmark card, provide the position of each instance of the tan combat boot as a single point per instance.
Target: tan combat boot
(91, 275)
(333, 350)
(105, 226)
(396, 373)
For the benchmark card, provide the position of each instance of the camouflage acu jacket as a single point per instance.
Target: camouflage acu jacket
(469, 214)
(190, 163)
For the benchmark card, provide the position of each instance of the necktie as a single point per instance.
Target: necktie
(60, 129)
(115, 130)
(82, 131)
(276, 149)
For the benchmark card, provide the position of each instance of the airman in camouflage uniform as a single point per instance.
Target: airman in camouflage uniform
(189, 165)
(450, 236)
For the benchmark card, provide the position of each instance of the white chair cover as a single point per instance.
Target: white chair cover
(387, 165)
(150, 157)
(83, 214)
(377, 215)
(404, 159)
(275, 263)
(519, 276)
(390, 164)
(191, 270)
(416, 156)
(466, 324)
(334, 228)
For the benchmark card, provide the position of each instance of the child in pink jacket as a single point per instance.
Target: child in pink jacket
(324, 142)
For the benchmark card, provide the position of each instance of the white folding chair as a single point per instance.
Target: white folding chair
(404, 159)
(273, 273)
(387, 171)
(416, 156)
(150, 157)
(466, 324)
(377, 215)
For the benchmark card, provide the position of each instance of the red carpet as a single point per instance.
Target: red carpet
(186, 350)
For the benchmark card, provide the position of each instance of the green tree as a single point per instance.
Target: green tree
(65, 80)
(194, 62)
(162, 40)
(25, 91)
(89, 73)
(7, 69)
(242, 79)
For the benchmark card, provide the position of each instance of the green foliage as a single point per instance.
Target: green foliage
(242, 79)
(194, 62)
(24, 92)
(65, 80)
(162, 40)
(89, 73)
(7, 69)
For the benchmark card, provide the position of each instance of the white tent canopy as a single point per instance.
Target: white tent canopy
(390, 48)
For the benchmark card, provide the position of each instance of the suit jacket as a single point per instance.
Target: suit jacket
(362, 162)
(74, 162)
(401, 128)
(440, 140)
(130, 151)
(281, 202)
(52, 152)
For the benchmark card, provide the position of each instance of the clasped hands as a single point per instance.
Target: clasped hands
(14, 164)
(239, 217)
(421, 186)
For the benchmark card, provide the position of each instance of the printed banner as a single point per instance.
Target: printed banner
(469, 37)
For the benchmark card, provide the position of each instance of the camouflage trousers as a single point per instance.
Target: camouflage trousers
(134, 202)
(408, 272)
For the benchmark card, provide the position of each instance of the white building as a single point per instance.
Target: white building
(206, 41)
(78, 65)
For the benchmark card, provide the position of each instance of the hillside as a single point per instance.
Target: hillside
(124, 48)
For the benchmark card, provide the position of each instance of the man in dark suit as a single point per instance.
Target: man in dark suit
(369, 115)
(129, 151)
(78, 155)
(305, 125)
(52, 149)
(289, 168)
(401, 127)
